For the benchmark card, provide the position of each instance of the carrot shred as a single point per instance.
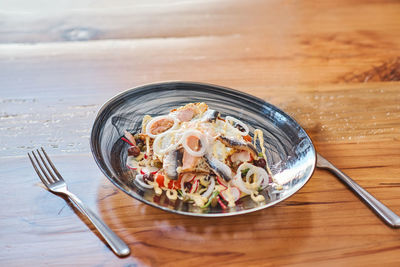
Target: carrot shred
(247, 138)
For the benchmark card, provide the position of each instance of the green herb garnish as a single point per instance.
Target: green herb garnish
(213, 195)
(245, 171)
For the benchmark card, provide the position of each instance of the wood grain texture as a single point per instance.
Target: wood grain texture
(268, 42)
(322, 224)
(332, 65)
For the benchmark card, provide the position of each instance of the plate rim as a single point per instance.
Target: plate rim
(207, 215)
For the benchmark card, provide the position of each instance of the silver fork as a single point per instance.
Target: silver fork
(53, 180)
(378, 207)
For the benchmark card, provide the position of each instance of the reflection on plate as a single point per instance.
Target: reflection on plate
(291, 154)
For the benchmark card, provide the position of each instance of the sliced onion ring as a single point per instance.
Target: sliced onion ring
(243, 166)
(263, 177)
(139, 180)
(158, 139)
(234, 191)
(250, 173)
(237, 181)
(203, 141)
(185, 177)
(210, 188)
(131, 163)
(246, 129)
(154, 120)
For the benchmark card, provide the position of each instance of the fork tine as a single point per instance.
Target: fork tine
(50, 181)
(44, 181)
(47, 167)
(52, 165)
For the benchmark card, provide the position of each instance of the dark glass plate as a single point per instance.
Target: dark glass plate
(291, 154)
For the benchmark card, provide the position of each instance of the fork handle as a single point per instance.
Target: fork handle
(119, 247)
(386, 214)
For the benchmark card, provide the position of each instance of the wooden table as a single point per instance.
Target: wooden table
(332, 65)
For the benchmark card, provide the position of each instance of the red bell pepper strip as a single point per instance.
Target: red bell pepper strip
(126, 140)
(220, 182)
(191, 180)
(223, 206)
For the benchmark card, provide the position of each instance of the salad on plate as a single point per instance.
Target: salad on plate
(196, 155)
